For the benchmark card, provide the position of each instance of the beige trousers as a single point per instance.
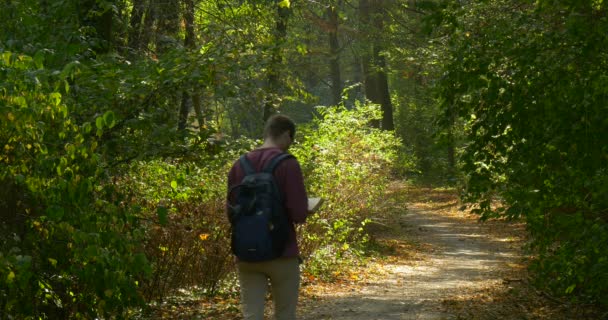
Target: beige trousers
(284, 277)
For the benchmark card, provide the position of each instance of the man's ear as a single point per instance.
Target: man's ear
(285, 140)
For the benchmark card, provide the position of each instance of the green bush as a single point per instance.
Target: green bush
(530, 83)
(69, 246)
(83, 238)
(348, 163)
(187, 238)
(183, 210)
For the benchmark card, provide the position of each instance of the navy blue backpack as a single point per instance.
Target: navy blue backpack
(260, 227)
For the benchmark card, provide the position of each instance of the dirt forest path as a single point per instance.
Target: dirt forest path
(443, 264)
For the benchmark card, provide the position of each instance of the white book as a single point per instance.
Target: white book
(314, 204)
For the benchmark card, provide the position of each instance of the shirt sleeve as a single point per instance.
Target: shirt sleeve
(291, 180)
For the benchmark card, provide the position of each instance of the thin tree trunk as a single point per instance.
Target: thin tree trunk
(149, 21)
(334, 60)
(358, 77)
(168, 12)
(374, 65)
(276, 60)
(369, 82)
(200, 118)
(369, 75)
(451, 152)
(190, 38)
(190, 44)
(89, 15)
(384, 96)
(451, 143)
(105, 30)
(184, 111)
(135, 23)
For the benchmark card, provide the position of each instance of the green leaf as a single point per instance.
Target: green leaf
(86, 127)
(6, 58)
(39, 60)
(174, 185)
(109, 119)
(20, 101)
(10, 277)
(570, 289)
(69, 70)
(162, 213)
(284, 4)
(99, 123)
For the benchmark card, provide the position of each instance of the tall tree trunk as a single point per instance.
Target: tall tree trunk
(451, 143)
(334, 51)
(190, 38)
(135, 23)
(384, 95)
(369, 75)
(276, 61)
(105, 30)
(149, 21)
(184, 111)
(374, 65)
(168, 12)
(190, 42)
(198, 111)
(358, 77)
(195, 98)
(91, 15)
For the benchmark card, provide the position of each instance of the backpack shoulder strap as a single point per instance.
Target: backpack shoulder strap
(246, 165)
(275, 162)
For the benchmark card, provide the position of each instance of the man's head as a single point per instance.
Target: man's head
(280, 130)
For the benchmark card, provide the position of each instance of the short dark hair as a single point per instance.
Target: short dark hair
(277, 124)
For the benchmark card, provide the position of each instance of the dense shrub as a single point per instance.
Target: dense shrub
(187, 238)
(69, 246)
(85, 234)
(347, 163)
(530, 82)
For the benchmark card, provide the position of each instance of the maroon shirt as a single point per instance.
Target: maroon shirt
(288, 176)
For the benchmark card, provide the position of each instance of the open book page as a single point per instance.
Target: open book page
(314, 204)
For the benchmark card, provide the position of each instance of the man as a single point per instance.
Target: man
(283, 272)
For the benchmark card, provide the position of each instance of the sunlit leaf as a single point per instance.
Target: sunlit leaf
(108, 119)
(99, 123)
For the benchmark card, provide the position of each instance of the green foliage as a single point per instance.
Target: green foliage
(69, 246)
(187, 237)
(530, 82)
(348, 163)
(186, 241)
(183, 208)
(107, 200)
(416, 58)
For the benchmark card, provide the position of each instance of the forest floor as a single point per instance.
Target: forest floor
(431, 261)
